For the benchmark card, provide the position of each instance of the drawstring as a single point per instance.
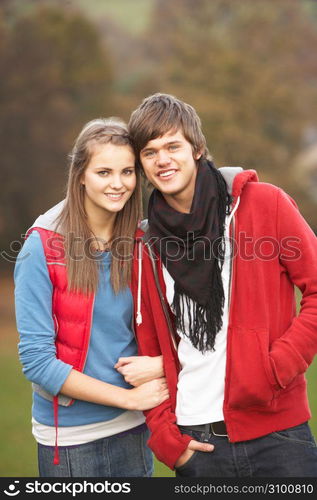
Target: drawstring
(234, 210)
(56, 455)
(138, 314)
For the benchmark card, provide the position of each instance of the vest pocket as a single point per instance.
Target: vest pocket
(252, 381)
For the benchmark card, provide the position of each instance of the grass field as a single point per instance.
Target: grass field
(18, 449)
(131, 15)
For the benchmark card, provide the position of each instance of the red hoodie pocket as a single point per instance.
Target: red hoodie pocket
(251, 377)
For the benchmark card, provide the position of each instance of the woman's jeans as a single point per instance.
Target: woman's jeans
(122, 455)
(288, 453)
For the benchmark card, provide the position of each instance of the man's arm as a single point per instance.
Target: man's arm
(167, 442)
(293, 352)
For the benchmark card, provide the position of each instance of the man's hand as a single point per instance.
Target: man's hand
(193, 446)
(137, 370)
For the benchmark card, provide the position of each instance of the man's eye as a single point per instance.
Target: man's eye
(173, 147)
(148, 154)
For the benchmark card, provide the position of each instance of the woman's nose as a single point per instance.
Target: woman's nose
(116, 182)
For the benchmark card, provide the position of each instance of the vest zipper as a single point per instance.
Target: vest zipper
(56, 325)
(88, 340)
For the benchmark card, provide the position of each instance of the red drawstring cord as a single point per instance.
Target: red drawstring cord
(56, 455)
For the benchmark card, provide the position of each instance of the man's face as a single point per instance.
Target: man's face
(169, 164)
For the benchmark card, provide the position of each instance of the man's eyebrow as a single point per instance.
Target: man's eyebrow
(167, 143)
(176, 141)
(148, 148)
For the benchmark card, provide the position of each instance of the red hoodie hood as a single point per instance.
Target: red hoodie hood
(236, 178)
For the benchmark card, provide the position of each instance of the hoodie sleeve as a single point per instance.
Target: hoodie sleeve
(293, 352)
(166, 440)
(153, 339)
(33, 309)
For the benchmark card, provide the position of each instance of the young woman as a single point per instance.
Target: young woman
(74, 316)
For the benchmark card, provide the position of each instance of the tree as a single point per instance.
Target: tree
(249, 69)
(55, 76)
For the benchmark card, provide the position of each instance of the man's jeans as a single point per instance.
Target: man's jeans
(122, 455)
(287, 453)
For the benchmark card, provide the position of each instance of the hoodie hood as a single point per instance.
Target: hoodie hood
(236, 178)
(48, 219)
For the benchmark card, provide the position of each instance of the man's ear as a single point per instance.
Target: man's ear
(197, 156)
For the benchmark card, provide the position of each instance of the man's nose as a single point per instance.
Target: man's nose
(163, 158)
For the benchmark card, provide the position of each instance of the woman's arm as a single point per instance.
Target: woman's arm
(137, 370)
(33, 303)
(33, 310)
(146, 396)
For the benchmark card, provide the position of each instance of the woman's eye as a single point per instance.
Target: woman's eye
(129, 171)
(103, 173)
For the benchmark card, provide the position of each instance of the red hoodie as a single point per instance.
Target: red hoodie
(268, 347)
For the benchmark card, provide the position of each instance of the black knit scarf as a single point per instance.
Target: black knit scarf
(192, 249)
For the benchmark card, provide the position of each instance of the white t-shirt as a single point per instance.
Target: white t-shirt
(80, 434)
(200, 388)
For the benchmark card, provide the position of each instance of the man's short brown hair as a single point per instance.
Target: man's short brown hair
(162, 113)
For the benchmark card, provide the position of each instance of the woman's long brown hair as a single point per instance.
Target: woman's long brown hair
(81, 259)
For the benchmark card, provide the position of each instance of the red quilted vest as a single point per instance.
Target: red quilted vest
(72, 313)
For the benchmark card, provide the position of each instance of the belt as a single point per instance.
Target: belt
(215, 428)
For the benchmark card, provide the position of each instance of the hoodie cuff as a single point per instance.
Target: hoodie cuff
(168, 445)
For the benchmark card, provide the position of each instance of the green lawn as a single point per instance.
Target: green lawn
(18, 450)
(131, 15)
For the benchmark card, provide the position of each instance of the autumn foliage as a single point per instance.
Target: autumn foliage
(249, 67)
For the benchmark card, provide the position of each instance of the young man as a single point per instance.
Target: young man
(226, 252)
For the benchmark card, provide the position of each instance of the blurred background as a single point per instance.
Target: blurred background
(249, 67)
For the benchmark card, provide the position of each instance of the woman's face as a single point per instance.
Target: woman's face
(109, 178)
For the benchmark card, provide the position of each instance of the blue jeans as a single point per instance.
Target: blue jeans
(122, 455)
(288, 453)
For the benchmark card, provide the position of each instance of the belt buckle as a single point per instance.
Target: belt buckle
(215, 434)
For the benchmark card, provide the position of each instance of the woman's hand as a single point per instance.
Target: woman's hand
(148, 395)
(137, 370)
(81, 386)
(191, 448)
